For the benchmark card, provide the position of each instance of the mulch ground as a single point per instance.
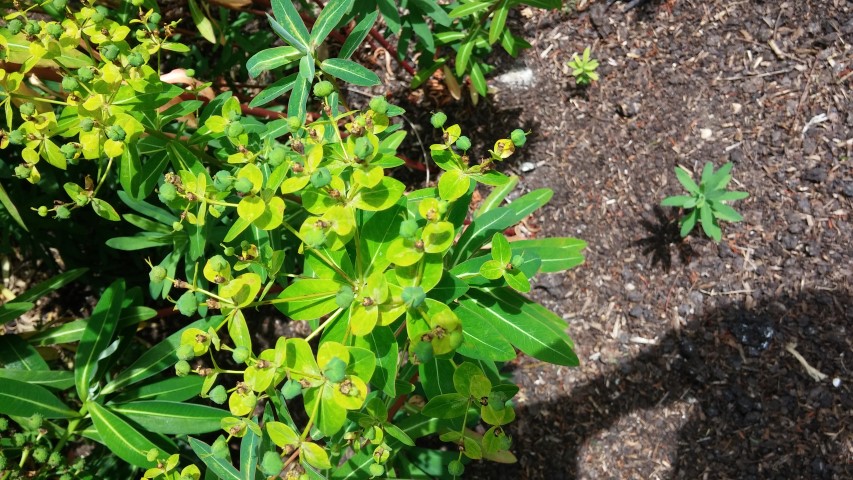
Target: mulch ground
(699, 360)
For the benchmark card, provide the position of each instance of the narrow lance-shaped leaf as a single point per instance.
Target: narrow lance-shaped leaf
(329, 19)
(97, 335)
(358, 34)
(120, 437)
(349, 71)
(172, 418)
(24, 399)
(286, 13)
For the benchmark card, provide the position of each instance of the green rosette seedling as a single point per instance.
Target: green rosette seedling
(705, 202)
(583, 68)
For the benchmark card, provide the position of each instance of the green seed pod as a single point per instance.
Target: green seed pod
(27, 109)
(321, 177)
(229, 251)
(277, 156)
(291, 389)
(379, 104)
(336, 370)
(243, 185)
(87, 124)
(185, 352)
(15, 26)
(376, 470)
(363, 147)
(408, 228)
(116, 133)
(151, 455)
(137, 3)
(69, 150)
(40, 454)
(455, 468)
(240, 354)
(155, 18)
(4, 424)
(42, 211)
(168, 192)
(294, 123)
(62, 212)
(23, 171)
(517, 261)
(54, 459)
(182, 368)
(438, 119)
(135, 59)
(323, 89)
(32, 28)
(235, 129)
(519, 138)
(344, 297)
(157, 274)
(177, 226)
(110, 52)
(218, 395)
(272, 464)
(245, 245)
(413, 297)
(222, 180)
(187, 304)
(35, 421)
(2, 461)
(85, 74)
(19, 439)
(55, 30)
(16, 137)
(463, 143)
(97, 17)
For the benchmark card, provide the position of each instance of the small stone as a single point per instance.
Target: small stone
(815, 175)
(836, 382)
(847, 190)
(527, 167)
(636, 312)
(706, 133)
(736, 108)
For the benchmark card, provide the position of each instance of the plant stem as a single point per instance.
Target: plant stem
(324, 325)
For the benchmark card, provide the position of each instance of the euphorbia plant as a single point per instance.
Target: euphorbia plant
(411, 312)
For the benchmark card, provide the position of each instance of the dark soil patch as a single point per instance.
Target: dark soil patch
(687, 370)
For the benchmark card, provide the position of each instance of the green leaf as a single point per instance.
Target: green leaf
(10, 207)
(469, 8)
(152, 362)
(96, 337)
(493, 269)
(172, 418)
(556, 253)
(218, 466)
(105, 210)
(73, 331)
(682, 201)
(11, 311)
(147, 209)
(478, 80)
(448, 288)
(273, 91)
(453, 184)
(501, 250)
(546, 4)
(529, 326)
(16, 354)
(517, 280)
(174, 389)
(725, 212)
(328, 19)
(249, 449)
(120, 437)
(449, 405)
(296, 104)
(56, 379)
(376, 235)
(50, 285)
(349, 71)
(688, 222)
(358, 34)
(498, 21)
(438, 237)
(281, 434)
(709, 223)
(381, 342)
(436, 377)
(686, 181)
(362, 363)
(728, 196)
(140, 242)
(204, 25)
(271, 58)
(286, 13)
(306, 68)
(497, 220)
(24, 398)
(379, 197)
(308, 298)
(315, 455)
(464, 54)
(482, 340)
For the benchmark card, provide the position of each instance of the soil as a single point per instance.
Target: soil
(695, 356)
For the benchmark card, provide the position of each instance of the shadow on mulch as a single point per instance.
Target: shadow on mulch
(663, 239)
(759, 415)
